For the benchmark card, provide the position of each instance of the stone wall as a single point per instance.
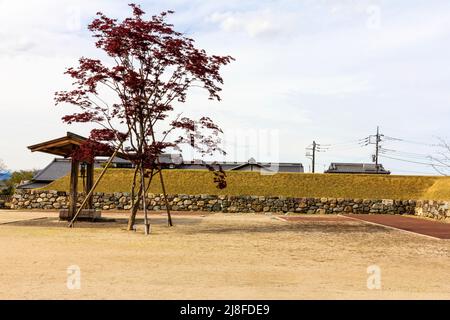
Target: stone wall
(433, 209)
(3, 204)
(24, 199)
(5, 201)
(121, 201)
(181, 202)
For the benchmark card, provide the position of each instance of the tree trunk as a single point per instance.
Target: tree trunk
(134, 210)
(134, 202)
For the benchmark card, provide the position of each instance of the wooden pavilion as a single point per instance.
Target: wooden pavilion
(65, 146)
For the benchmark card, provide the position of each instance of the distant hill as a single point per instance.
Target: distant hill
(282, 184)
(5, 175)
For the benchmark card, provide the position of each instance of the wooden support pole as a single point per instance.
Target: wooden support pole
(73, 194)
(169, 217)
(144, 201)
(91, 192)
(89, 184)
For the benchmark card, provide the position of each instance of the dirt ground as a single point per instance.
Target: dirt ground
(217, 256)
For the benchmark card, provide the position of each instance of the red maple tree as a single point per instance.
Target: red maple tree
(150, 69)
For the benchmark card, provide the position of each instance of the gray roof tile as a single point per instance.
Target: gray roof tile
(364, 168)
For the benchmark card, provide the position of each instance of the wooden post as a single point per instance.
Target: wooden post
(169, 217)
(96, 182)
(73, 194)
(89, 184)
(144, 198)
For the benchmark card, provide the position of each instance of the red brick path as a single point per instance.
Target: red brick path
(436, 229)
(431, 228)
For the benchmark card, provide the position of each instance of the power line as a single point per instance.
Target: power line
(377, 139)
(349, 148)
(405, 154)
(343, 146)
(413, 142)
(354, 141)
(413, 171)
(358, 142)
(414, 156)
(416, 162)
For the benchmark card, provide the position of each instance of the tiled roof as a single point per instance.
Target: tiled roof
(56, 169)
(270, 166)
(365, 168)
(60, 167)
(33, 185)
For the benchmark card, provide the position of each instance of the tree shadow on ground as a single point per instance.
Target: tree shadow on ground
(310, 227)
(219, 228)
(102, 223)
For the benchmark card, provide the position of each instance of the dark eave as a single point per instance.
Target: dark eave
(63, 146)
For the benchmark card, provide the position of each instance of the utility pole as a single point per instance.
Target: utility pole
(313, 155)
(377, 145)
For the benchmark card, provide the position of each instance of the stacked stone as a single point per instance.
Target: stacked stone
(112, 201)
(433, 209)
(33, 199)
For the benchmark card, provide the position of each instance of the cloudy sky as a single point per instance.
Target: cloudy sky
(323, 70)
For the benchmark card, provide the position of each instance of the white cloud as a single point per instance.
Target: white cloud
(409, 30)
(332, 85)
(252, 23)
(302, 67)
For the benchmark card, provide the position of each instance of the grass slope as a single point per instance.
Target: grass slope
(281, 184)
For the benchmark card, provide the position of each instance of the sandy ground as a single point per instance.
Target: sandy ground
(217, 257)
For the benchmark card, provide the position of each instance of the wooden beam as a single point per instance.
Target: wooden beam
(65, 146)
(56, 143)
(97, 181)
(89, 184)
(73, 193)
